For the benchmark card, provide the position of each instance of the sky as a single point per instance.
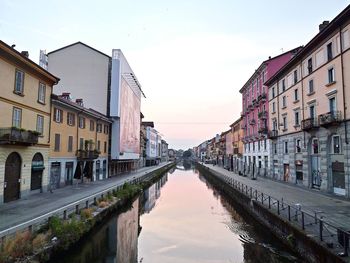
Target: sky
(191, 57)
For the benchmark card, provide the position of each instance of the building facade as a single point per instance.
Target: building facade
(24, 124)
(255, 116)
(79, 143)
(237, 144)
(309, 112)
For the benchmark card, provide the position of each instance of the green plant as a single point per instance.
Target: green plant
(109, 197)
(22, 129)
(102, 204)
(17, 247)
(291, 240)
(86, 214)
(39, 241)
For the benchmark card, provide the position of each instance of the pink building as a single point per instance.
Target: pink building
(255, 115)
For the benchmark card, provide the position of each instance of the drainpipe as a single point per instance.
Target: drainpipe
(344, 104)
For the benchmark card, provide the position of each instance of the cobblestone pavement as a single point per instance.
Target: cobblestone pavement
(22, 210)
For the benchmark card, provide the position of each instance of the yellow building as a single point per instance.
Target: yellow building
(25, 90)
(237, 143)
(79, 142)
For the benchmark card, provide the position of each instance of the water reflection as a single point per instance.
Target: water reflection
(180, 218)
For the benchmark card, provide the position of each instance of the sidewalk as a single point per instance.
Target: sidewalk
(335, 211)
(22, 210)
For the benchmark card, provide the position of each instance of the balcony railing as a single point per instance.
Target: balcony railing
(262, 129)
(262, 97)
(309, 124)
(87, 154)
(273, 134)
(252, 122)
(262, 115)
(18, 136)
(330, 118)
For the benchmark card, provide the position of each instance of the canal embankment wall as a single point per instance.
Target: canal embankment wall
(290, 225)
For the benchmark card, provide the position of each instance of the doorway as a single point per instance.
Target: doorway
(69, 173)
(12, 181)
(37, 172)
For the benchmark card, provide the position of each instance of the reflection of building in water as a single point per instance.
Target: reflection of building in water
(152, 194)
(127, 234)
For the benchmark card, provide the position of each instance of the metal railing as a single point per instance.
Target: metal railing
(18, 136)
(312, 224)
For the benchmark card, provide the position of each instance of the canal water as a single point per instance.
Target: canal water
(180, 219)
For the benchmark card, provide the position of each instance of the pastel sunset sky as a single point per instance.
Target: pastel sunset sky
(191, 57)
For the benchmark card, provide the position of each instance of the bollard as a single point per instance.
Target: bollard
(302, 220)
(278, 207)
(269, 202)
(289, 212)
(77, 209)
(321, 229)
(65, 214)
(87, 204)
(251, 192)
(256, 195)
(262, 198)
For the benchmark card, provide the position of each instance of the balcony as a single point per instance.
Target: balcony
(262, 115)
(332, 118)
(273, 134)
(252, 122)
(262, 97)
(87, 154)
(309, 124)
(18, 136)
(262, 130)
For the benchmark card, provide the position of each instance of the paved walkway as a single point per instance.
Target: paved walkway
(335, 210)
(16, 212)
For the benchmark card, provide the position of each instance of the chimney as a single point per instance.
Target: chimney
(323, 25)
(80, 102)
(65, 95)
(25, 53)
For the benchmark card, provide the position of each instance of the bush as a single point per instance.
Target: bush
(128, 191)
(86, 214)
(39, 242)
(17, 247)
(102, 204)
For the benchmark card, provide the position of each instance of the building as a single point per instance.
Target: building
(172, 155)
(151, 143)
(164, 147)
(24, 124)
(143, 144)
(255, 115)
(79, 142)
(309, 112)
(237, 135)
(110, 87)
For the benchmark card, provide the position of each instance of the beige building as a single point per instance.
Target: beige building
(237, 143)
(79, 142)
(309, 111)
(25, 90)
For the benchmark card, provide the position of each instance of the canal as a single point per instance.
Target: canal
(181, 219)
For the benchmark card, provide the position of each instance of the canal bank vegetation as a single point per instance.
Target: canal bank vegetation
(60, 233)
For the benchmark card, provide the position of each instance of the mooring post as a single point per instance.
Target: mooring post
(321, 229)
(262, 198)
(289, 212)
(269, 202)
(302, 220)
(278, 207)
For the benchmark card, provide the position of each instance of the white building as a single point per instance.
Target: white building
(107, 84)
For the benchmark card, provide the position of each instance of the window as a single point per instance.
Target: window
(286, 147)
(273, 107)
(105, 147)
(265, 144)
(284, 104)
(311, 86)
(57, 142)
(309, 65)
(285, 123)
(70, 143)
(298, 146)
(296, 95)
(336, 144)
(331, 78)
(332, 106)
(258, 145)
(99, 145)
(275, 148)
(81, 122)
(315, 146)
(70, 119)
(253, 146)
(105, 129)
(99, 127)
(40, 124)
(297, 119)
(312, 111)
(58, 115)
(92, 125)
(274, 125)
(329, 51)
(19, 81)
(283, 84)
(16, 117)
(41, 92)
(81, 144)
(273, 92)
(295, 76)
